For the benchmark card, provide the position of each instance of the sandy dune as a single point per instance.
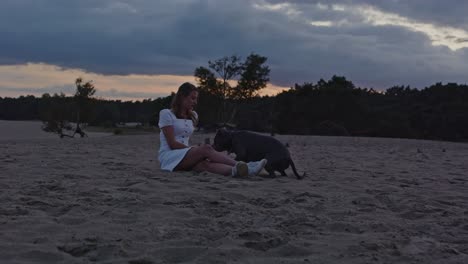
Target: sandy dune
(14, 130)
(104, 199)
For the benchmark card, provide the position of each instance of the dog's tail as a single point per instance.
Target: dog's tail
(295, 171)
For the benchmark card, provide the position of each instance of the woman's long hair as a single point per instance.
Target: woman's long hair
(176, 106)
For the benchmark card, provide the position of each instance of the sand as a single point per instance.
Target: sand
(15, 130)
(104, 199)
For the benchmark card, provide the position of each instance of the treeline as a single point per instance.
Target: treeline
(99, 113)
(333, 107)
(337, 107)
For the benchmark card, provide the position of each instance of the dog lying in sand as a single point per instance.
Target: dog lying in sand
(249, 146)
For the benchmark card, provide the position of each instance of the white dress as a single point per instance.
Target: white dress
(183, 129)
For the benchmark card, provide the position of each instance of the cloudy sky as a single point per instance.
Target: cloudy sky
(140, 49)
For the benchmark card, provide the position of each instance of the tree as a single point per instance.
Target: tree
(55, 110)
(207, 82)
(253, 77)
(83, 95)
(227, 69)
(55, 113)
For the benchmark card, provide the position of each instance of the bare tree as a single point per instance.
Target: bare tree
(55, 119)
(253, 77)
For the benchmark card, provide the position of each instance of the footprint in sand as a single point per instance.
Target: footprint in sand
(13, 211)
(110, 165)
(341, 227)
(78, 249)
(265, 245)
(261, 242)
(306, 197)
(71, 220)
(42, 256)
(365, 204)
(263, 203)
(179, 254)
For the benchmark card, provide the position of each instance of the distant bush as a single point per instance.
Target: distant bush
(330, 128)
(118, 131)
(107, 124)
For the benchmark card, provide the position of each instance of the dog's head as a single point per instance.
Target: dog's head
(222, 140)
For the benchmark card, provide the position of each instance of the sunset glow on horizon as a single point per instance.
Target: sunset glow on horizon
(37, 79)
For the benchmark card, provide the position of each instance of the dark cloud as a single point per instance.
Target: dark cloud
(175, 37)
(447, 12)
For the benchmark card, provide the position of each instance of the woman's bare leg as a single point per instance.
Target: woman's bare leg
(217, 168)
(198, 154)
(219, 157)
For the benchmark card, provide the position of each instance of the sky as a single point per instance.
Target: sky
(142, 49)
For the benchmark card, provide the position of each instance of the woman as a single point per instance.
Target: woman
(175, 154)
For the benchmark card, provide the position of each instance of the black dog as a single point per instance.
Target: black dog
(249, 146)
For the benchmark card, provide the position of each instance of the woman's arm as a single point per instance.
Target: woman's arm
(170, 138)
